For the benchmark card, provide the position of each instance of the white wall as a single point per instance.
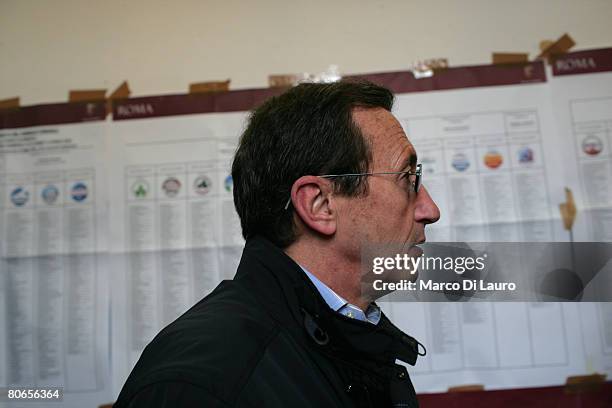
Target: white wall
(50, 46)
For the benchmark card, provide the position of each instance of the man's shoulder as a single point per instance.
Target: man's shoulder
(215, 345)
(230, 315)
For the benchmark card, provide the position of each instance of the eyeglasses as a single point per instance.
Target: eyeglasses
(416, 182)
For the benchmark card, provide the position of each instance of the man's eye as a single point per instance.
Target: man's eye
(408, 179)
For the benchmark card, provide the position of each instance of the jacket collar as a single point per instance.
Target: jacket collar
(283, 289)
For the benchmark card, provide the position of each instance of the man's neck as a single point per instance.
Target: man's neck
(338, 274)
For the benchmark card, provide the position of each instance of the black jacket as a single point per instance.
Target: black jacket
(268, 339)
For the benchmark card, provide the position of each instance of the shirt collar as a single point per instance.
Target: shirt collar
(338, 304)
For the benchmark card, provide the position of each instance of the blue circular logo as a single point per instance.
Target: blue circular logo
(525, 155)
(229, 183)
(19, 196)
(460, 162)
(50, 194)
(79, 192)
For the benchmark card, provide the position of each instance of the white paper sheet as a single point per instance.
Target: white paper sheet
(582, 103)
(55, 290)
(175, 232)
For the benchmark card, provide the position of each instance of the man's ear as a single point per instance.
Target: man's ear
(311, 198)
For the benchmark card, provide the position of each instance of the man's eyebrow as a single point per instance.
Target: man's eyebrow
(410, 162)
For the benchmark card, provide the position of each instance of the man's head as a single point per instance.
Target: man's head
(321, 129)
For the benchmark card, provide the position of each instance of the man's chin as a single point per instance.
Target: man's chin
(415, 251)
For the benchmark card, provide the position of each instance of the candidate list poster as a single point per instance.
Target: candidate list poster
(54, 302)
(175, 232)
(581, 92)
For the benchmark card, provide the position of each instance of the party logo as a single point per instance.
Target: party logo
(592, 145)
(202, 185)
(493, 159)
(140, 189)
(79, 192)
(171, 187)
(228, 183)
(525, 155)
(50, 194)
(460, 162)
(19, 196)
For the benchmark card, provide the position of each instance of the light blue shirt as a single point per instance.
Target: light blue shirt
(338, 304)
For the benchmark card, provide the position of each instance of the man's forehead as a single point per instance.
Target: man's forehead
(373, 118)
(386, 137)
(378, 123)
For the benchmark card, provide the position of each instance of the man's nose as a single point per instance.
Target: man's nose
(426, 211)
